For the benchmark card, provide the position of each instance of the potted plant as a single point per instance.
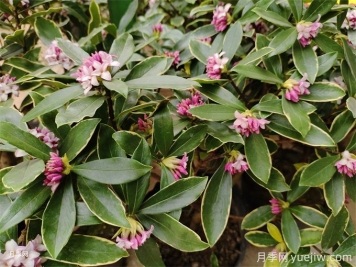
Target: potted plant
(138, 112)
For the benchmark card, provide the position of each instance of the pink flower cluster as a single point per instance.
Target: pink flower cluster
(54, 55)
(133, 238)
(296, 88)
(246, 123)
(6, 88)
(145, 124)
(157, 29)
(23, 256)
(236, 164)
(54, 171)
(276, 206)
(307, 31)
(347, 164)
(220, 17)
(350, 22)
(216, 66)
(43, 134)
(194, 101)
(174, 55)
(177, 166)
(94, 69)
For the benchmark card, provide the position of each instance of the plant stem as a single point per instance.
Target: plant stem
(110, 108)
(237, 89)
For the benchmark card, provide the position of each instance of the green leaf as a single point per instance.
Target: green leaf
(255, 57)
(315, 136)
(75, 10)
(54, 101)
(78, 138)
(305, 61)
(112, 171)
(351, 188)
(276, 181)
(48, 119)
(24, 140)
(200, 50)
(149, 254)
(95, 21)
(272, 17)
(59, 218)
(342, 125)
(351, 105)
(283, 41)
(258, 157)
(310, 236)
(348, 78)
(334, 229)
(3, 189)
(24, 206)
(150, 67)
(13, 116)
(257, 218)
(136, 190)
(174, 196)
(222, 96)
(177, 21)
(296, 189)
(216, 204)
(123, 48)
(257, 73)
(85, 216)
(163, 130)
(319, 172)
(213, 112)
(188, 140)
(296, 115)
(73, 51)
(47, 30)
(328, 45)
(106, 145)
(16, 37)
(89, 251)
(349, 57)
(164, 81)
(334, 192)
(128, 141)
(127, 17)
(297, 8)
(23, 174)
(347, 247)
(103, 202)
(326, 62)
(260, 239)
(172, 232)
(290, 231)
(309, 216)
(317, 8)
(117, 86)
(79, 109)
(273, 106)
(223, 133)
(324, 92)
(232, 40)
(166, 177)
(202, 8)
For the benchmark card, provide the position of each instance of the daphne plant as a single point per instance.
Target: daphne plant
(129, 120)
